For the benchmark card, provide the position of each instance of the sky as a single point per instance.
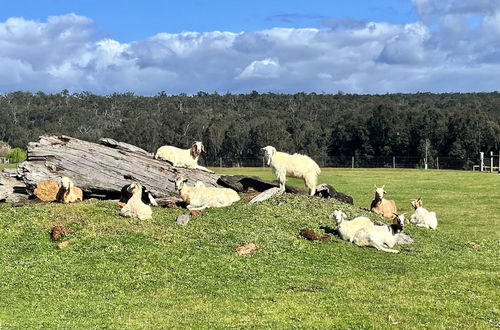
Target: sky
(238, 46)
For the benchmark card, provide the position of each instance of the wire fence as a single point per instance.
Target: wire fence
(355, 162)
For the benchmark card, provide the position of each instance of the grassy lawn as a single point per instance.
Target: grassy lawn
(129, 274)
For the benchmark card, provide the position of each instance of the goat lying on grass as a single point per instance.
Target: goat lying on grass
(380, 237)
(201, 197)
(422, 217)
(135, 208)
(347, 228)
(382, 206)
(68, 193)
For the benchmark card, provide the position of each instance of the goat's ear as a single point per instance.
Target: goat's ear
(383, 186)
(171, 180)
(185, 180)
(202, 147)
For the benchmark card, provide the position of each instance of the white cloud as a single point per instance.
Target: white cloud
(266, 68)
(439, 52)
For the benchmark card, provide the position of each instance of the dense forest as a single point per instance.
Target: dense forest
(324, 126)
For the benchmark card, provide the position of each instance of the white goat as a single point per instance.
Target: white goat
(183, 157)
(380, 237)
(382, 206)
(295, 166)
(135, 208)
(348, 228)
(68, 193)
(422, 217)
(200, 197)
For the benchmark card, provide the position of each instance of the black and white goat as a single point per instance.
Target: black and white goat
(146, 197)
(382, 237)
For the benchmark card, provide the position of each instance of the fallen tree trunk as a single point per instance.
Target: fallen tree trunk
(103, 168)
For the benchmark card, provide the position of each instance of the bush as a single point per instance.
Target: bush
(16, 155)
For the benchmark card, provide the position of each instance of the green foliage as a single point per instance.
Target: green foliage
(237, 126)
(123, 273)
(16, 155)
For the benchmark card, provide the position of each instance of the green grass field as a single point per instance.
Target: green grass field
(124, 273)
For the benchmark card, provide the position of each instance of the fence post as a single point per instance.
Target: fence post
(220, 161)
(437, 163)
(352, 162)
(491, 161)
(481, 161)
(393, 161)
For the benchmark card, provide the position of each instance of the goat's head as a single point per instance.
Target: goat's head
(197, 148)
(416, 203)
(399, 220)
(380, 192)
(134, 187)
(179, 181)
(66, 183)
(268, 153)
(339, 216)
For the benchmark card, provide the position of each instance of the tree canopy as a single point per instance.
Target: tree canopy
(236, 126)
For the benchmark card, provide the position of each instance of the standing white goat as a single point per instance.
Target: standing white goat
(135, 208)
(382, 206)
(201, 197)
(381, 237)
(295, 166)
(183, 157)
(348, 228)
(422, 217)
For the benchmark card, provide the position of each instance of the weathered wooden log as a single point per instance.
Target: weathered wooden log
(243, 183)
(103, 168)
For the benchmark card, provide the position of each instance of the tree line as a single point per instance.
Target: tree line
(236, 126)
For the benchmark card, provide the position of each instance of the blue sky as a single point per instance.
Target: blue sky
(145, 47)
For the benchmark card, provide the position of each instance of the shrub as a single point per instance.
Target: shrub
(16, 155)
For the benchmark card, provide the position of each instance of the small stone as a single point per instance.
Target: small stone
(246, 249)
(196, 212)
(62, 245)
(120, 204)
(474, 245)
(326, 238)
(183, 219)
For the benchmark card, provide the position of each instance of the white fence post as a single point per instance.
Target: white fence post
(481, 161)
(352, 162)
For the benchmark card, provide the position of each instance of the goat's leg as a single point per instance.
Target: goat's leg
(198, 167)
(382, 248)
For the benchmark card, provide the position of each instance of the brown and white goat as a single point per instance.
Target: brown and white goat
(382, 206)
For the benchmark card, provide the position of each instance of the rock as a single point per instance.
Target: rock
(326, 238)
(404, 239)
(182, 219)
(60, 231)
(265, 195)
(62, 245)
(327, 191)
(474, 245)
(170, 202)
(196, 212)
(46, 190)
(308, 234)
(246, 249)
